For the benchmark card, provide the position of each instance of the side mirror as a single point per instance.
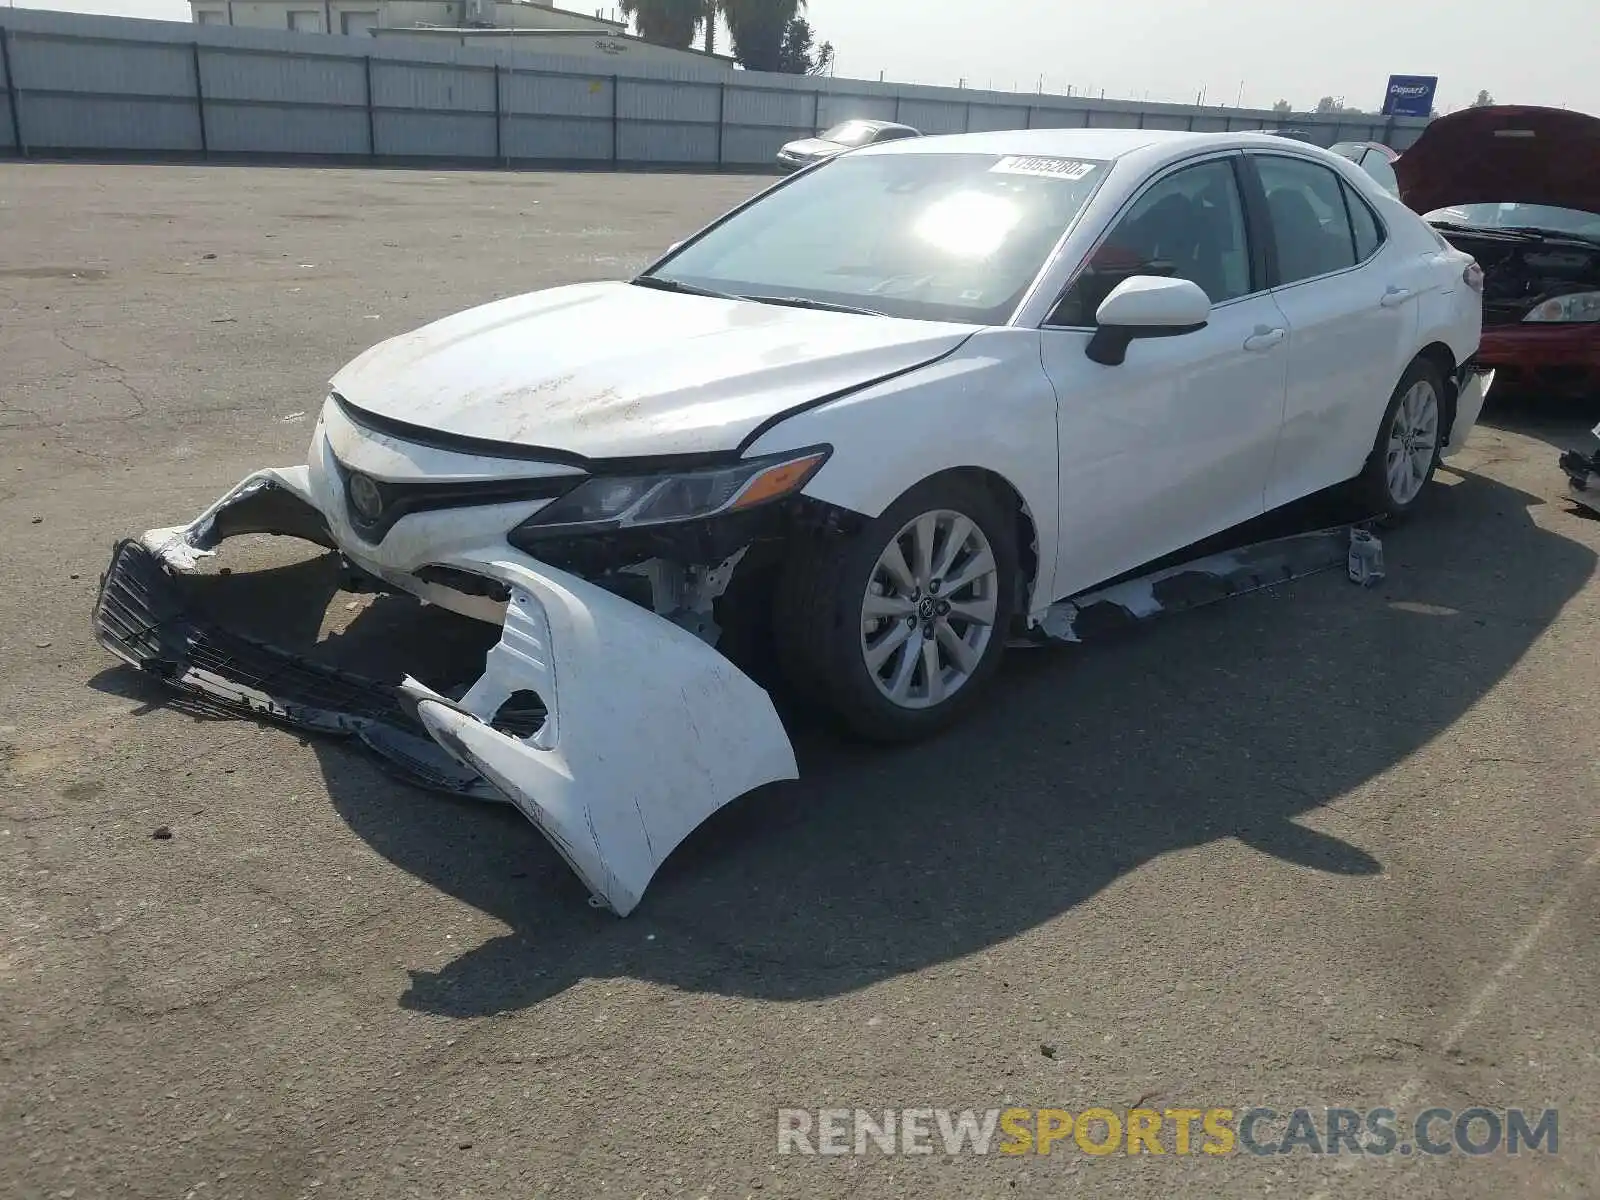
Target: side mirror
(1145, 306)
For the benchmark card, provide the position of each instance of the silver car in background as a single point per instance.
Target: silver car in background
(847, 135)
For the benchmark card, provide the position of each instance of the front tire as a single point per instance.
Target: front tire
(1405, 453)
(898, 629)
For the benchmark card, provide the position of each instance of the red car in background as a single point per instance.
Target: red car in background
(1518, 188)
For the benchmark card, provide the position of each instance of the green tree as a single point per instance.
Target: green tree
(666, 22)
(1282, 107)
(823, 64)
(759, 29)
(1484, 100)
(800, 55)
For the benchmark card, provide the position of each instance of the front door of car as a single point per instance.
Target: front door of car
(1350, 303)
(1176, 442)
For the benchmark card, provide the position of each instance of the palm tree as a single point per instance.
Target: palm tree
(758, 28)
(712, 13)
(666, 22)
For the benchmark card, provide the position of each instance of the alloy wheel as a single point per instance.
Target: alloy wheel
(1413, 442)
(929, 611)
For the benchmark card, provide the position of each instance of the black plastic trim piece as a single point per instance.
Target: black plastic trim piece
(143, 617)
(438, 439)
(1109, 345)
(465, 582)
(460, 443)
(402, 499)
(1258, 218)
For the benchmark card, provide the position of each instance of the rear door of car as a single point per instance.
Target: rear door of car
(1349, 301)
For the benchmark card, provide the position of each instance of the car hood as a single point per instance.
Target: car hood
(813, 147)
(1506, 154)
(610, 370)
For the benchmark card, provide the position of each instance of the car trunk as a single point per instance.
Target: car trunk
(1520, 270)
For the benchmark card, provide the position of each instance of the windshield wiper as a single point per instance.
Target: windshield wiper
(677, 285)
(1539, 231)
(819, 305)
(1491, 230)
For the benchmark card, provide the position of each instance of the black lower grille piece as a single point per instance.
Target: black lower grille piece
(143, 618)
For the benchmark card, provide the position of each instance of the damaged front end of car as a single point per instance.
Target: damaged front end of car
(605, 712)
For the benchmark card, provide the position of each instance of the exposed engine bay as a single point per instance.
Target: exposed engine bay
(710, 577)
(1521, 270)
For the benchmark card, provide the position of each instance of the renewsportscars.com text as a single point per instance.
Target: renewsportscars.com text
(1260, 1131)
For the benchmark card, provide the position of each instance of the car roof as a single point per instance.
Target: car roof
(872, 122)
(1153, 147)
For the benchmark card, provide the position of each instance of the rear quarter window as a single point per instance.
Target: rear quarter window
(1365, 227)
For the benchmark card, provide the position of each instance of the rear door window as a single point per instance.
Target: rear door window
(1310, 222)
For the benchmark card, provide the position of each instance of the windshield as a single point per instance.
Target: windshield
(941, 237)
(850, 133)
(1521, 216)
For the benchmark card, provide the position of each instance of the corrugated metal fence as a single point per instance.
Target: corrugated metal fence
(87, 85)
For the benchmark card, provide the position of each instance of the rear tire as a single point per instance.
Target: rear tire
(1405, 452)
(898, 629)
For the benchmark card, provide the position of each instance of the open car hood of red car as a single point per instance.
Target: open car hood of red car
(1504, 154)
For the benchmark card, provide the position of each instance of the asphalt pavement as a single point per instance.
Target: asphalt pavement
(1319, 846)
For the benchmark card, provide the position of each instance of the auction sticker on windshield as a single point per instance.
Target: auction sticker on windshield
(1050, 168)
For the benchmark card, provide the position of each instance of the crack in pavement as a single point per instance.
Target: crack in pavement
(120, 374)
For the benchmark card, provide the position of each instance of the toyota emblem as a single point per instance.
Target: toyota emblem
(365, 498)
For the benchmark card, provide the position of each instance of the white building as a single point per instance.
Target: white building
(531, 26)
(365, 16)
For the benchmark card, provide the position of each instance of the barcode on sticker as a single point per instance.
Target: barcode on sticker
(1050, 168)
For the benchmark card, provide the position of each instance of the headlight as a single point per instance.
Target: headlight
(623, 502)
(1579, 306)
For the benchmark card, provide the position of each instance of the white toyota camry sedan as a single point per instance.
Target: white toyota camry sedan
(885, 417)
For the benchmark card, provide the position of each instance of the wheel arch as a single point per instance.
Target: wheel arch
(1443, 359)
(988, 412)
(1024, 525)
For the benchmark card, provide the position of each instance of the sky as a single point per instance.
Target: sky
(1537, 52)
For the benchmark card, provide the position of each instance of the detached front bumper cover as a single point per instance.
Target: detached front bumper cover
(613, 731)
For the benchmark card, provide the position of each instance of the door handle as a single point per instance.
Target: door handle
(1264, 338)
(1393, 297)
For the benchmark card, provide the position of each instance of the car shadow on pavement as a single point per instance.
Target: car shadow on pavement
(1081, 765)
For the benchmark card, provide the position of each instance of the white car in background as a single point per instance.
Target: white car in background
(887, 414)
(847, 135)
